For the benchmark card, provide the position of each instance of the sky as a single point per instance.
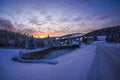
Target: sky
(41, 18)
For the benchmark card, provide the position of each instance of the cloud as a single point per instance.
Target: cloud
(103, 17)
(6, 24)
(34, 21)
(49, 17)
(29, 30)
(40, 7)
(64, 20)
(20, 26)
(77, 19)
(111, 23)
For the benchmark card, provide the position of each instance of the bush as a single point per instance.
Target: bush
(15, 59)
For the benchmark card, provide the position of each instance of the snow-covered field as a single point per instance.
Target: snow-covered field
(85, 63)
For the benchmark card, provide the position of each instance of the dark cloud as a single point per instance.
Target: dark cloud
(34, 21)
(6, 24)
(29, 30)
(64, 20)
(20, 26)
(49, 17)
(104, 17)
(88, 18)
(77, 19)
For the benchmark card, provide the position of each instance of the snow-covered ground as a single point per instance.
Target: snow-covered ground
(84, 63)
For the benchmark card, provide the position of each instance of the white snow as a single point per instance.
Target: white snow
(77, 65)
(75, 43)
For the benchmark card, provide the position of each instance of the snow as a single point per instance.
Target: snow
(75, 43)
(48, 61)
(101, 38)
(80, 64)
(106, 63)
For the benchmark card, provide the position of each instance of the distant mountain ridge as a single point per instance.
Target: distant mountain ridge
(105, 31)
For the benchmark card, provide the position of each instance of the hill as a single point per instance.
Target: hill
(105, 31)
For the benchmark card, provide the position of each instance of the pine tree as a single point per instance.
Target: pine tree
(112, 38)
(85, 40)
(95, 38)
(108, 38)
(32, 46)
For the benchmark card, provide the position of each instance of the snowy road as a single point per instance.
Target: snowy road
(106, 63)
(81, 64)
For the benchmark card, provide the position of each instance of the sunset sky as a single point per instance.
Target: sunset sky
(58, 17)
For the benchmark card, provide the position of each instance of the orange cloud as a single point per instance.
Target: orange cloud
(40, 35)
(43, 34)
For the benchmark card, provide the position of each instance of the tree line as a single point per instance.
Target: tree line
(9, 39)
